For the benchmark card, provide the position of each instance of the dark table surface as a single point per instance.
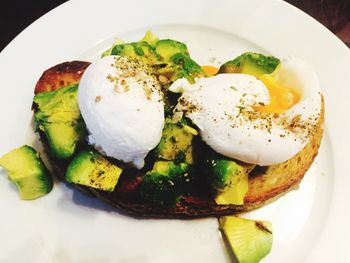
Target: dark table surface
(15, 15)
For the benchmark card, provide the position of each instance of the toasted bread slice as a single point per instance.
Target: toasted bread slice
(266, 184)
(61, 75)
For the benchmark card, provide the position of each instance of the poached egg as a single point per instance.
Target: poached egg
(122, 106)
(261, 121)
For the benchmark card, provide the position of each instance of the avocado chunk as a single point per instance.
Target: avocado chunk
(176, 142)
(141, 51)
(235, 194)
(58, 116)
(166, 183)
(179, 66)
(150, 38)
(28, 172)
(185, 67)
(169, 59)
(228, 179)
(91, 169)
(167, 48)
(249, 240)
(223, 173)
(251, 63)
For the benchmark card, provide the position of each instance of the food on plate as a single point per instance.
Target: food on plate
(148, 130)
(169, 58)
(91, 169)
(176, 142)
(250, 63)
(228, 179)
(61, 75)
(27, 171)
(262, 121)
(57, 115)
(249, 240)
(127, 126)
(167, 182)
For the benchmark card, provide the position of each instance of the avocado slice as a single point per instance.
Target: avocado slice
(176, 142)
(167, 48)
(228, 179)
(167, 182)
(91, 169)
(58, 116)
(150, 38)
(235, 194)
(223, 173)
(185, 67)
(249, 240)
(141, 51)
(169, 59)
(28, 172)
(251, 63)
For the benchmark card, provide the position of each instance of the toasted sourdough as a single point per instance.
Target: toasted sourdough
(266, 184)
(61, 75)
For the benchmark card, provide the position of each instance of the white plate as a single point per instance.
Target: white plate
(310, 225)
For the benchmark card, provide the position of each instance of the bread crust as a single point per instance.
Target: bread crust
(61, 75)
(265, 184)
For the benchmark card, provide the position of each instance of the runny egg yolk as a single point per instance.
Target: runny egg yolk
(210, 70)
(281, 98)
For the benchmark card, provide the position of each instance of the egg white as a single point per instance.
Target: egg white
(124, 121)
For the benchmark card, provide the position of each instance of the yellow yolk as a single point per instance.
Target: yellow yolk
(210, 70)
(281, 98)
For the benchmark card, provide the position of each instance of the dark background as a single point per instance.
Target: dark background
(16, 15)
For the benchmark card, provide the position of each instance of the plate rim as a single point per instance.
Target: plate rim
(37, 27)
